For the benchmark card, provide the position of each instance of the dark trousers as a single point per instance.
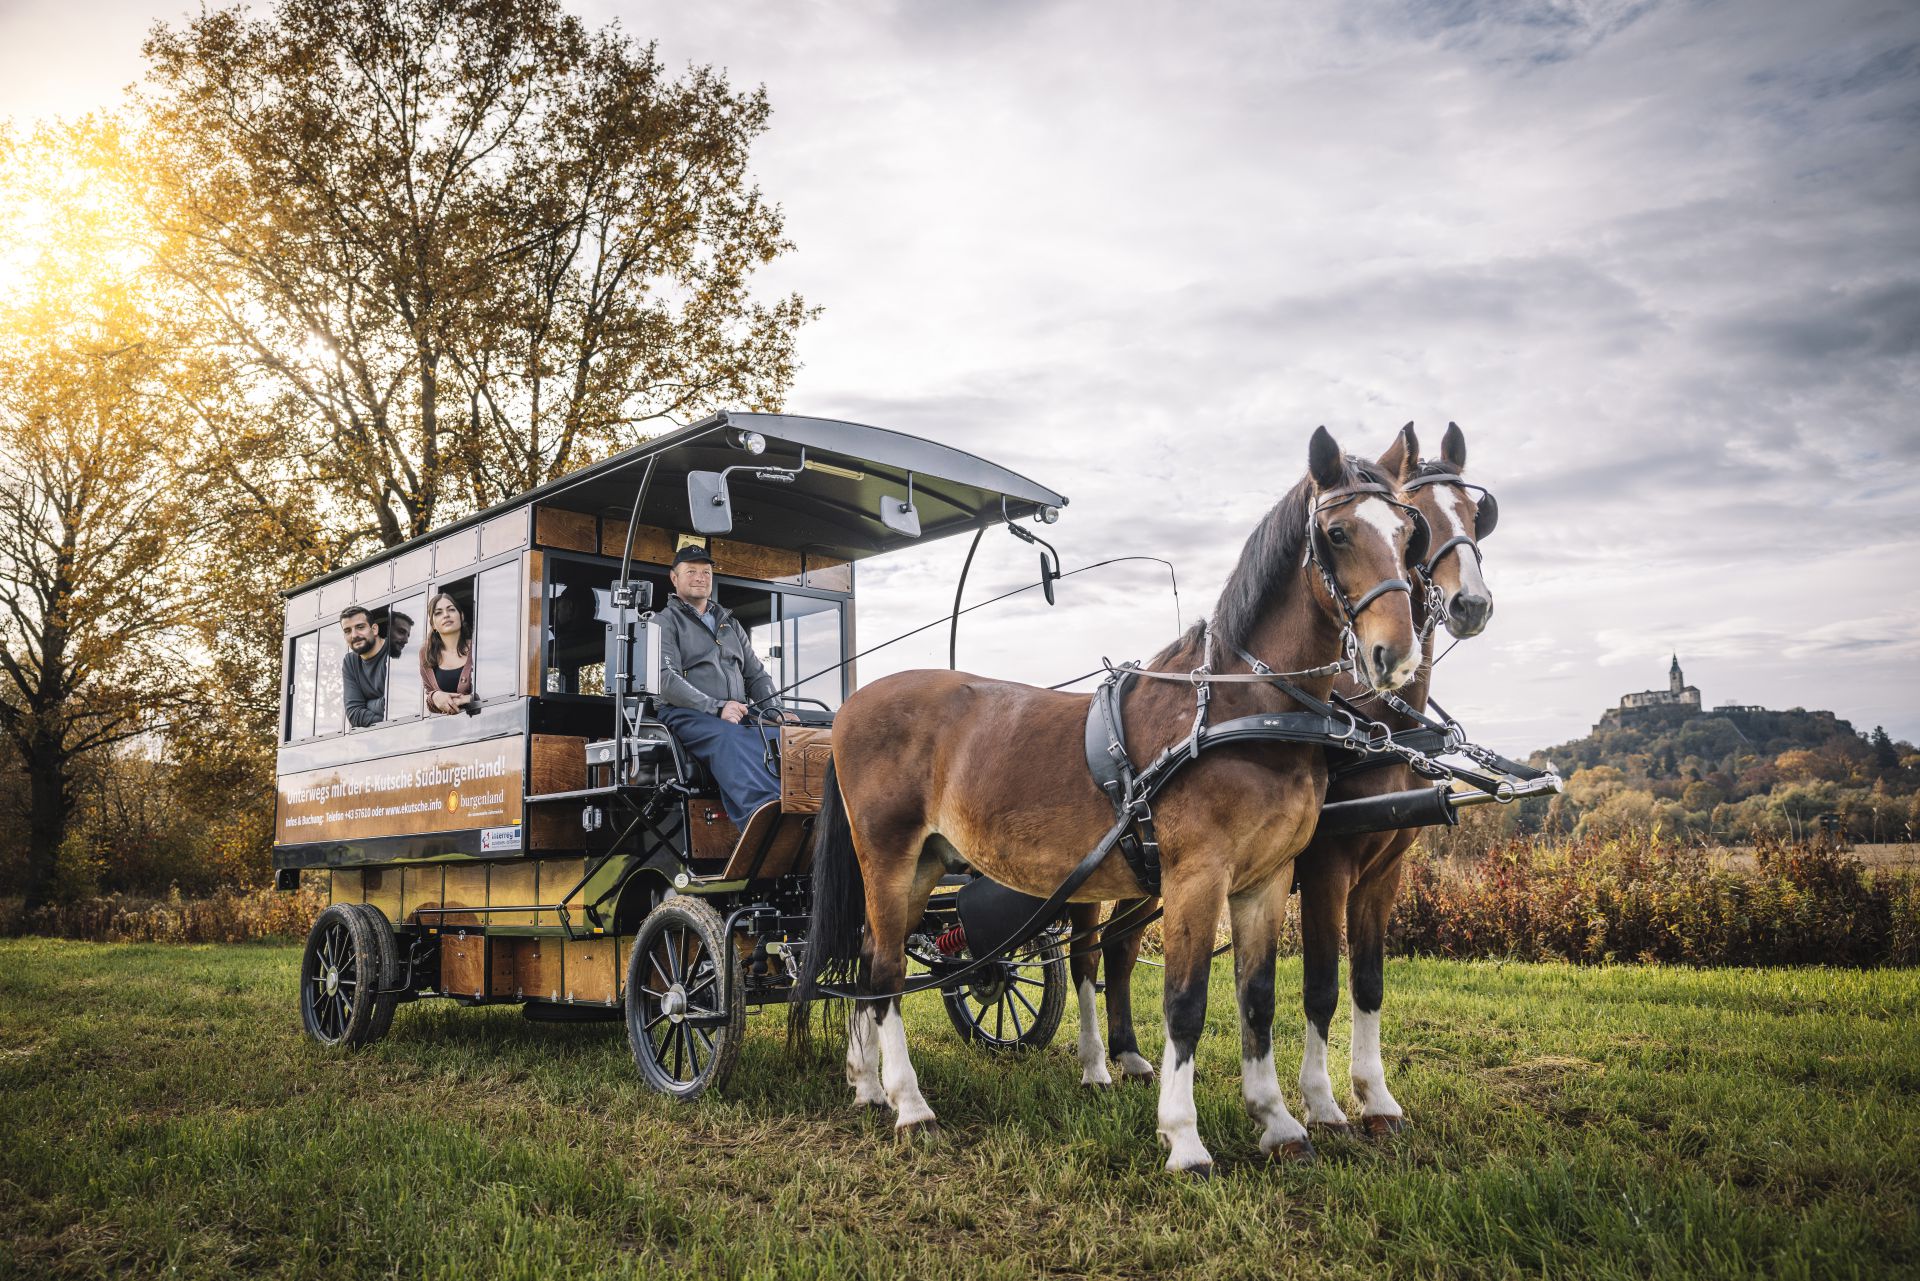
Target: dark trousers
(735, 753)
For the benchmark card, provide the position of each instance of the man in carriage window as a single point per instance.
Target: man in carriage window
(363, 669)
(712, 676)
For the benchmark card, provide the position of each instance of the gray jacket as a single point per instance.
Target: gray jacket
(363, 687)
(703, 669)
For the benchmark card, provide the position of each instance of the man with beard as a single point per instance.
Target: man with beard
(363, 671)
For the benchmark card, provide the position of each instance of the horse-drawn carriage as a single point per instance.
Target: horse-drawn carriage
(555, 847)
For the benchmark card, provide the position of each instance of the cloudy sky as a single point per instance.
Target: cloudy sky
(1660, 260)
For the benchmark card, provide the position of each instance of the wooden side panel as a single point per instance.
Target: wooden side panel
(589, 965)
(383, 890)
(557, 876)
(557, 527)
(805, 753)
(559, 763)
(538, 969)
(420, 887)
(651, 544)
(746, 560)
(463, 965)
(465, 886)
(536, 587)
(511, 885)
(709, 830)
(501, 956)
(783, 850)
(555, 826)
(345, 885)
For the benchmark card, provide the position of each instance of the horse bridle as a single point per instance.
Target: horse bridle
(1486, 514)
(1319, 553)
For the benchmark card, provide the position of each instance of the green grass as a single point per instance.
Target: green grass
(160, 1112)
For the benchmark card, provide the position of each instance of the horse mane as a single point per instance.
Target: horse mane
(1267, 568)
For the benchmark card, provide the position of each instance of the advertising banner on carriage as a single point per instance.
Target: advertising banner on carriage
(444, 789)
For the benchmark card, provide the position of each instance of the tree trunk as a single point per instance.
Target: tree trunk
(49, 809)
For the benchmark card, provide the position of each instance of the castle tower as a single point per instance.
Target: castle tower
(1675, 681)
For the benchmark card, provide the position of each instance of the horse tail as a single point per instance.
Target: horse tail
(839, 913)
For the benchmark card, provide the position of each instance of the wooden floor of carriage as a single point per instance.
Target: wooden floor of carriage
(159, 1112)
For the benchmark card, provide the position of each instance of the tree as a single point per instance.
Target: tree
(455, 248)
(1884, 755)
(94, 600)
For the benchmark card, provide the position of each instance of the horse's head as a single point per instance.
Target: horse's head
(1459, 516)
(1363, 540)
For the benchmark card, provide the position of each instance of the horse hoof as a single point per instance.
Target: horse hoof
(1379, 1127)
(1199, 1173)
(1098, 1085)
(1329, 1127)
(1299, 1151)
(870, 1107)
(1139, 1078)
(924, 1134)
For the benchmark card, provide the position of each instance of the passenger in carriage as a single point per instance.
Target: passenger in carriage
(363, 669)
(446, 660)
(711, 675)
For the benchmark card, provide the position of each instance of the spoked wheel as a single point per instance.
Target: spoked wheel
(340, 976)
(686, 1011)
(1014, 1004)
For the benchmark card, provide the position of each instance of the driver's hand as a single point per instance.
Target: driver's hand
(733, 713)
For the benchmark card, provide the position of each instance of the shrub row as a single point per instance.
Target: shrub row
(1645, 899)
(225, 916)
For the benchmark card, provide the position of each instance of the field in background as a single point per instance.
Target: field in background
(159, 1109)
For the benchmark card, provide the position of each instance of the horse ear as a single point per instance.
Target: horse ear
(1402, 458)
(1453, 446)
(1325, 463)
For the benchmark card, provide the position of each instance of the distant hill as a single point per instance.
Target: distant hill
(1669, 741)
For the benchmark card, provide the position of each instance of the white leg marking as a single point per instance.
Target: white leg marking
(1092, 1052)
(1369, 1076)
(1260, 1090)
(1315, 1084)
(1133, 1065)
(1179, 1121)
(896, 1072)
(863, 1057)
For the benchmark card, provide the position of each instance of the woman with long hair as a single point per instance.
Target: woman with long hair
(446, 660)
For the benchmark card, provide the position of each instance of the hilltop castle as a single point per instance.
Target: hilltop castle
(1677, 696)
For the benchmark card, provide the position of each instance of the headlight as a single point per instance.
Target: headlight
(751, 441)
(1048, 515)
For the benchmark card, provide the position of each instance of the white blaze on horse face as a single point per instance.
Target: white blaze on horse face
(1091, 1052)
(863, 1057)
(1260, 1090)
(1369, 1075)
(1315, 1083)
(896, 1072)
(1179, 1123)
(1471, 583)
(1384, 520)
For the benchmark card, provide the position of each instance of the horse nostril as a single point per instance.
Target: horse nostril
(1379, 660)
(1472, 611)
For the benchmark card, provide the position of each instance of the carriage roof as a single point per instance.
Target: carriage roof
(831, 508)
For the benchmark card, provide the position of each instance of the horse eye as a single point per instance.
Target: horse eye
(1337, 536)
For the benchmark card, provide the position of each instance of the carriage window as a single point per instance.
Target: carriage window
(797, 637)
(496, 630)
(300, 685)
(576, 640)
(330, 710)
(405, 631)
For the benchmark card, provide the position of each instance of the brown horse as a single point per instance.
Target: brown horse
(1358, 876)
(939, 769)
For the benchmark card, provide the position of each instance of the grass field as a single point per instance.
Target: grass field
(160, 1112)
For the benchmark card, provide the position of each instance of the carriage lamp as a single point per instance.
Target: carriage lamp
(1047, 515)
(751, 441)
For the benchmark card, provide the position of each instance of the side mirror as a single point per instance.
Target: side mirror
(1048, 572)
(708, 502)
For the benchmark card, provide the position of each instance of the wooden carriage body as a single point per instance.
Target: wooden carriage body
(481, 839)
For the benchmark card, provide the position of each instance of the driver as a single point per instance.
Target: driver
(711, 674)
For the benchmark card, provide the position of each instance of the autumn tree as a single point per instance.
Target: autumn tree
(95, 527)
(455, 248)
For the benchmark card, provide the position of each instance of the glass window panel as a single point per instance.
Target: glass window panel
(300, 680)
(503, 533)
(329, 709)
(817, 638)
(406, 631)
(496, 632)
(413, 567)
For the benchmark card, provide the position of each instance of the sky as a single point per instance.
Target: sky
(1659, 260)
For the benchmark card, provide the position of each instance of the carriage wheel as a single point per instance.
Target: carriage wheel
(340, 974)
(1012, 1005)
(686, 1011)
(388, 947)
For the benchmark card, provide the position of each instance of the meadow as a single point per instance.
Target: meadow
(161, 1113)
